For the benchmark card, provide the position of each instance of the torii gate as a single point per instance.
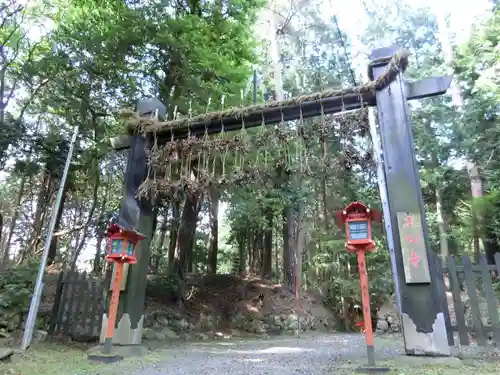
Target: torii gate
(423, 320)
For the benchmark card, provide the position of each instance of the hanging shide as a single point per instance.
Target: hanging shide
(193, 163)
(251, 157)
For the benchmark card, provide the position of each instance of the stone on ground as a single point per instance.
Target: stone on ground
(5, 353)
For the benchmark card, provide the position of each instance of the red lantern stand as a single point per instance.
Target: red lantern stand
(357, 220)
(122, 249)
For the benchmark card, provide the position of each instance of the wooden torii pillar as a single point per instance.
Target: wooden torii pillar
(423, 320)
(138, 215)
(422, 316)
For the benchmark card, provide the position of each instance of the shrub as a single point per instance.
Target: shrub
(165, 286)
(16, 288)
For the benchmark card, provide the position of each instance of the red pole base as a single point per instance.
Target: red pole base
(365, 296)
(113, 308)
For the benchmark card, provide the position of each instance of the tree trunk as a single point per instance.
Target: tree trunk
(249, 241)
(153, 256)
(444, 40)
(267, 258)
(186, 233)
(241, 252)
(476, 187)
(160, 247)
(475, 177)
(163, 232)
(55, 239)
(1, 232)
(276, 259)
(41, 205)
(195, 259)
(174, 231)
(257, 251)
(323, 187)
(301, 237)
(491, 246)
(96, 268)
(15, 216)
(289, 247)
(214, 231)
(254, 251)
(155, 221)
(101, 227)
(81, 240)
(442, 227)
(443, 236)
(189, 257)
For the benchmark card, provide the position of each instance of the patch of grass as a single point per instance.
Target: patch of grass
(57, 359)
(422, 366)
(46, 359)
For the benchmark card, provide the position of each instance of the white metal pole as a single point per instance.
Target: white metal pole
(382, 186)
(37, 294)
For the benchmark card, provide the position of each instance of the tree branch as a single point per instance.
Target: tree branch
(69, 230)
(3, 25)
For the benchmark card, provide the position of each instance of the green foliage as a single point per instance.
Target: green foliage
(477, 66)
(100, 56)
(16, 287)
(334, 273)
(165, 286)
(489, 204)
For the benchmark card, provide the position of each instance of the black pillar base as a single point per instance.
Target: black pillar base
(105, 358)
(108, 346)
(372, 369)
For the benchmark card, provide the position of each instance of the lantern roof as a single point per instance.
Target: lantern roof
(357, 207)
(114, 229)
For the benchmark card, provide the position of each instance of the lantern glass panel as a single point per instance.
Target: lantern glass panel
(358, 230)
(130, 249)
(116, 246)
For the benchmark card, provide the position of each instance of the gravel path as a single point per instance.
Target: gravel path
(311, 354)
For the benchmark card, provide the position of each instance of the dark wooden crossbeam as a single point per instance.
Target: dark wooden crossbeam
(414, 90)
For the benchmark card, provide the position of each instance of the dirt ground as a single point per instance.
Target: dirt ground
(225, 295)
(311, 354)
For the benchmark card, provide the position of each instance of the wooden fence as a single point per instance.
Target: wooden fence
(78, 306)
(469, 299)
(473, 292)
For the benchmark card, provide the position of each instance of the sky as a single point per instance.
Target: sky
(351, 20)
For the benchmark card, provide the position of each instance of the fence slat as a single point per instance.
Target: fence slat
(474, 301)
(457, 301)
(475, 268)
(473, 330)
(64, 302)
(77, 304)
(80, 298)
(87, 302)
(94, 309)
(57, 303)
(490, 299)
(73, 284)
(437, 273)
(497, 264)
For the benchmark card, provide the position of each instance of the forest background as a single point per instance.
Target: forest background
(80, 61)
